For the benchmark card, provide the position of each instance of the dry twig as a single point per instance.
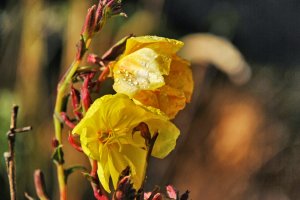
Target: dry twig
(10, 155)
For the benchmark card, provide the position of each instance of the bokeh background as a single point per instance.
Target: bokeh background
(240, 135)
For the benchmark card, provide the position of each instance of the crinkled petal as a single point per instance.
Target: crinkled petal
(121, 113)
(172, 97)
(169, 100)
(180, 77)
(141, 70)
(159, 44)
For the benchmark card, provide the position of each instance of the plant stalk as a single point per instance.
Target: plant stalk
(61, 91)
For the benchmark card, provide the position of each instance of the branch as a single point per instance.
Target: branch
(95, 19)
(10, 155)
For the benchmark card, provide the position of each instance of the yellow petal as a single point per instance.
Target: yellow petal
(172, 97)
(159, 44)
(104, 174)
(180, 77)
(121, 113)
(167, 136)
(129, 156)
(89, 143)
(141, 70)
(89, 140)
(169, 100)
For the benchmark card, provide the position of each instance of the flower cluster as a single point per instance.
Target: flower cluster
(152, 84)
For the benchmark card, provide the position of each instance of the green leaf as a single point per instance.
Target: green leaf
(58, 155)
(72, 169)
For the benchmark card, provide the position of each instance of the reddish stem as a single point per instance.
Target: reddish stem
(104, 74)
(99, 192)
(67, 120)
(75, 97)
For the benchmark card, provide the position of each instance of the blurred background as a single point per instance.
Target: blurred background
(240, 134)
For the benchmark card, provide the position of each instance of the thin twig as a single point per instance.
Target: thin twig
(10, 155)
(24, 129)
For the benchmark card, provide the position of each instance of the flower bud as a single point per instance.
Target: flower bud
(75, 100)
(171, 191)
(89, 24)
(85, 93)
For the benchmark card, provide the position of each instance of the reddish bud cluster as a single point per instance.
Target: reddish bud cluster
(89, 24)
(97, 16)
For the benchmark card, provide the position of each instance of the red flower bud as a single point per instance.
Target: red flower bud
(75, 100)
(89, 24)
(85, 94)
(171, 191)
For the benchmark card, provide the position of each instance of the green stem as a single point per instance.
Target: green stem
(61, 91)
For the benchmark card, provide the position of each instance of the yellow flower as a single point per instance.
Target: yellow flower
(106, 136)
(150, 72)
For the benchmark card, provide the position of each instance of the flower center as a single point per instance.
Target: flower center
(104, 136)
